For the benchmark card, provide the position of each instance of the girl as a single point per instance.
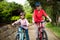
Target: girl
(38, 17)
(23, 23)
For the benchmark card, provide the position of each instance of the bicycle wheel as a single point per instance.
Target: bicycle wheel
(24, 36)
(44, 35)
(17, 37)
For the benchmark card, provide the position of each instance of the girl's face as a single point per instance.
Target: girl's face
(22, 16)
(38, 7)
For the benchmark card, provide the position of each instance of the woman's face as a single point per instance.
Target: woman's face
(38, 7)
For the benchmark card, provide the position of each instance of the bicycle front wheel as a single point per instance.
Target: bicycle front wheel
(44, 35)
(17, 37)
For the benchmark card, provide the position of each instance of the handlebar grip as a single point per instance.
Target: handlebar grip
(47, 21)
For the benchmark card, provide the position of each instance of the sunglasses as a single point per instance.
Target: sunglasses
(37, 6)
(22, 15)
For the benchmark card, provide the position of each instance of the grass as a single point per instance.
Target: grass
(55, 29)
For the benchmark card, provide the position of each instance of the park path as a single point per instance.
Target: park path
(9, 33)
(51, 36)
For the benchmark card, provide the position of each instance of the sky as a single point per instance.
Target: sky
(17, 1)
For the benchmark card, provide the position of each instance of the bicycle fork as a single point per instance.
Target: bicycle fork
(21, 34)
(40, 34)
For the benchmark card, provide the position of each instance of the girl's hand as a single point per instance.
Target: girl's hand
(13, 24)
(31, 24)
(33, 21)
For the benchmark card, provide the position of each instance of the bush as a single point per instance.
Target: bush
(29, 17)
(54, 29)
(7, 10)
(15, 18)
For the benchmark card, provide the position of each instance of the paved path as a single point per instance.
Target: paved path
(10, 33)
(51, 36)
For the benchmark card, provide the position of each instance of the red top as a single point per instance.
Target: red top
(38, 15)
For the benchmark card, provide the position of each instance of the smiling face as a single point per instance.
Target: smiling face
(22, 16)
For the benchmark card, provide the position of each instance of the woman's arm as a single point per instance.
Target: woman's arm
(33, 17)
(49, 18)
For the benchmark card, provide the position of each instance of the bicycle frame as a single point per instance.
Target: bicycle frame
(40, 31)
(20, 33)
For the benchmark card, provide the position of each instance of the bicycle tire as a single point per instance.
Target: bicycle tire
(17, 37)
(44, 34)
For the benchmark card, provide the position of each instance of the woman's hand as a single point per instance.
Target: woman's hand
(50, 20)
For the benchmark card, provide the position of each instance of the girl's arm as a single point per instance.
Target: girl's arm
(44, 13)
(27, 23)
(16, 22)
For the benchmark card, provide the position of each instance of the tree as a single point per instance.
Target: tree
(53, 4)
(7, 10)
(1, 0)
(27, 7)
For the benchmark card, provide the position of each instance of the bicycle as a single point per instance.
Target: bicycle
(42, 35)
(20, 32)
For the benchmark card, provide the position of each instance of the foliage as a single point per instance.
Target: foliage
(32, 3)
(52, 7)
(15, 17)
(27, 7)
(28, 10)
(7, 10)
(54, 29)
(29, 17)
(49, 10)
(1, 0)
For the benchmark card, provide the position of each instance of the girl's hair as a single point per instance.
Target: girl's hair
(22, 13)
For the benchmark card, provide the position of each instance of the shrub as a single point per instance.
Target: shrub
(15, 18)
(29, 17)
